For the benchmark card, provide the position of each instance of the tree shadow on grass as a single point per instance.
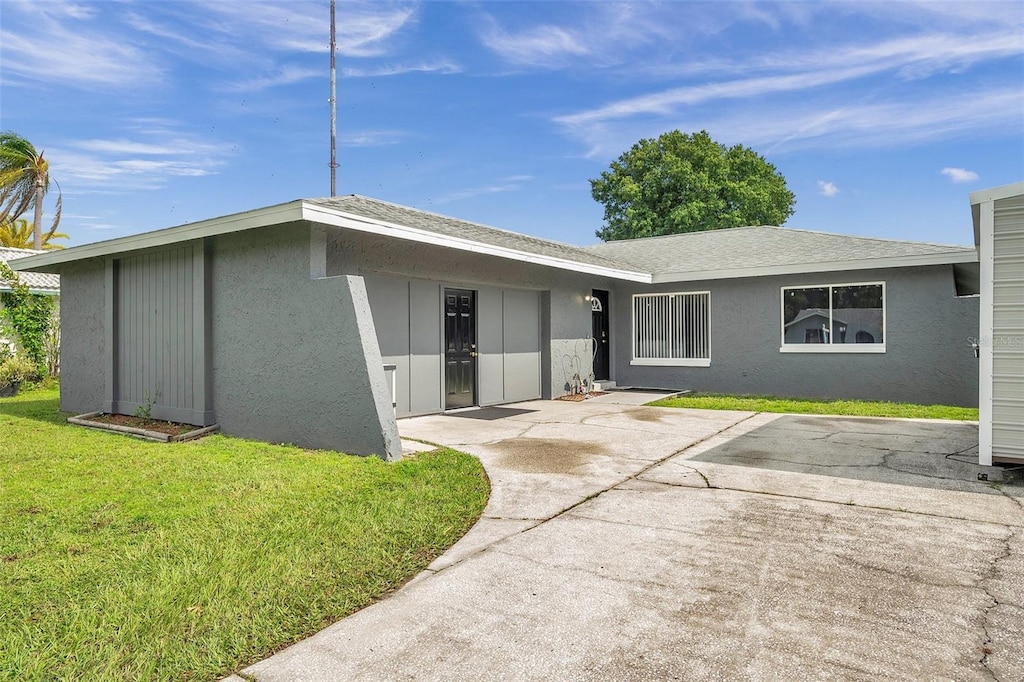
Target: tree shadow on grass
(44, 410)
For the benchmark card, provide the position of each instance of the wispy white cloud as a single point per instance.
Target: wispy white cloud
(827, 189)
(63, 47)
(537, 46)
(781, 126)
(593, 34)
(285, 75)
(508, 184)
(443, 67)
(363, 28)
(158, 151)
(959, 174)
(668, 101)
(372, 138)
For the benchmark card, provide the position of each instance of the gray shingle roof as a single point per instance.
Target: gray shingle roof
(755, 249)
(36, 281)
(405, 216)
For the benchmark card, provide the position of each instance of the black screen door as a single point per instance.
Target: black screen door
(460, 348)
(599, 308)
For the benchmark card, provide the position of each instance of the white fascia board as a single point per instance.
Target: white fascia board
(830, 266)
(997, 193)
(236, 222)
(351, 221)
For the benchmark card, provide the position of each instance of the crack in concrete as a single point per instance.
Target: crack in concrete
(986, 646)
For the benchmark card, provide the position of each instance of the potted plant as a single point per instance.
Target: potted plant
(13, 371)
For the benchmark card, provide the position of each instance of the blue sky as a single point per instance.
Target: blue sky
(882, 117)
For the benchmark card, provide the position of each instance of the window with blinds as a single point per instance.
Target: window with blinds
(672, 329)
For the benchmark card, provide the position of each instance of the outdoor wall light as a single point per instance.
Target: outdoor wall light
(588, 297)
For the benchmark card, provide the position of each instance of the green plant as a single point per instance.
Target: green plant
(29, 315)
(145, 410)
(16, 370)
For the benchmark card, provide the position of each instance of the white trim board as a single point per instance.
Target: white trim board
(965, 256)
(299, 210)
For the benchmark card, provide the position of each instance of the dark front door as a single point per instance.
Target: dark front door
(460, 348)
(599, 308)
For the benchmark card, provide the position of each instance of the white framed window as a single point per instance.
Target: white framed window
(672, 329)
(834, 318)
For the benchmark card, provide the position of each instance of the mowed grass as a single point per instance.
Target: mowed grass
(860, 408)
(124, 560)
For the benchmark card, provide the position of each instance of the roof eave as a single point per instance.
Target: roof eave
(996, 193)
(351, 221)
(236, 222)
(830, 266)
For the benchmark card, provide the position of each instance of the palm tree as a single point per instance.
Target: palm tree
(24, 181)
(17, 234)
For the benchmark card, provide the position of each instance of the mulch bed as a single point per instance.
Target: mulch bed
(580, 397)
(170, 428)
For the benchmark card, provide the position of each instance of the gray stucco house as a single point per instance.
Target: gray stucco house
(319, 321)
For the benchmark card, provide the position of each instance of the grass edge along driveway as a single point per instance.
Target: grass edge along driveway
(859, 408)
(124, 559)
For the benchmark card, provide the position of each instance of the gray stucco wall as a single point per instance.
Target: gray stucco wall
(928, 357)
(565, 318)
(295, 356)
(82, 341)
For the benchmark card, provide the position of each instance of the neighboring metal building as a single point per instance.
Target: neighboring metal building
(999, 234)
(319, 321)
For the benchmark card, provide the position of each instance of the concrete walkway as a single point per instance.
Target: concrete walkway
(637, 543)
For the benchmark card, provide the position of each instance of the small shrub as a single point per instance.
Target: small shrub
(17, 370)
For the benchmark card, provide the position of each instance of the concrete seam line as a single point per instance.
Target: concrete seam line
(847, 504)
(600, 492)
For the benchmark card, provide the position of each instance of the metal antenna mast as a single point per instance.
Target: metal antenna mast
(334, 108)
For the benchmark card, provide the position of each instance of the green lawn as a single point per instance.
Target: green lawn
(860, 408)
(123, 559)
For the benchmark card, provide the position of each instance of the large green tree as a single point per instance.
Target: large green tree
(688, 183)
(24, 181)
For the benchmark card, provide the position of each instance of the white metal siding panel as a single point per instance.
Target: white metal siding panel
(1007, 337)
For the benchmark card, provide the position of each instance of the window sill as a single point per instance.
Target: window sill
(834, 348)
(671, 362)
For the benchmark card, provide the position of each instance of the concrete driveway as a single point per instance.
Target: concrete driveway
(637, 543)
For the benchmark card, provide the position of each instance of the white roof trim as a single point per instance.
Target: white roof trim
(351, 221)
(236, 222)
(997, 193)
(301, 210)
(829, 266)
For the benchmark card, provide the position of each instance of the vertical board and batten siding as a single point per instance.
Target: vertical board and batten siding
(1007, 334)
(407, 320)
(159, 335)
